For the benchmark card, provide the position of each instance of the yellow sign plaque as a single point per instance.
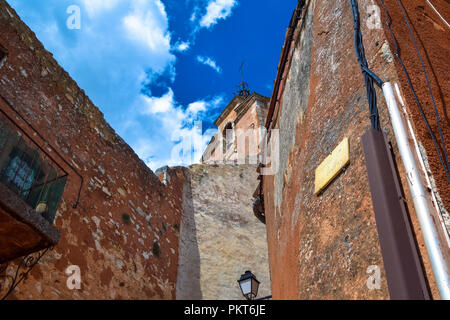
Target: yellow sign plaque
(330, 168)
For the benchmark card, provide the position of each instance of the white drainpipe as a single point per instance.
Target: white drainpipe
(433, 233)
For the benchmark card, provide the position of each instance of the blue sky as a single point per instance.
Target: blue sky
(154, 67)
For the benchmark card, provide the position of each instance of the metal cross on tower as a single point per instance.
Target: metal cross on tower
(244, 90)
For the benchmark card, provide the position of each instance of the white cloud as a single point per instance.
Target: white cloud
(194, 15)
(210, 63)
(217, 10)
(148, 25)
(95, 7)
(182, 46)
(162, 104)
(177, 140)
(197, 107)
(144, 149)
(121, 46)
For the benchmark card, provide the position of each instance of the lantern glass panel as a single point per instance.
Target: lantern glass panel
(255, 286)
(246, 286)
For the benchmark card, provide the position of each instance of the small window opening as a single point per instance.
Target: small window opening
(228, 137)
(3, 55)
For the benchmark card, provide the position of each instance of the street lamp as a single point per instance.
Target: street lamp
(249, 285)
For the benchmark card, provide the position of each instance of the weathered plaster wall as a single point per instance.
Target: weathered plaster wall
(248, 131)
(321, 246)
(295, 102)
(220, 237)
(116, 259)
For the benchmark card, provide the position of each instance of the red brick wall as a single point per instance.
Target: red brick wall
(116, 259)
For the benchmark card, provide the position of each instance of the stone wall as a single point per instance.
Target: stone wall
(220, 237)
(320, 247)
(117, 260)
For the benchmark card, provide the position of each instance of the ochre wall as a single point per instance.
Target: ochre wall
(433, 40)
(115, 259)
(321, 246)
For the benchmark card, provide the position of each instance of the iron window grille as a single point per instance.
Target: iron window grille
(29, 173)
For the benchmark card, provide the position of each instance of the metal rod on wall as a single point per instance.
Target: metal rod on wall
(404, 272)
(434, 243)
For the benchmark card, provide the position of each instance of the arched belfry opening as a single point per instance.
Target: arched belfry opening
(228, 137)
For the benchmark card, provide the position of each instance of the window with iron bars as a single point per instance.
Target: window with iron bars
(28, 173)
